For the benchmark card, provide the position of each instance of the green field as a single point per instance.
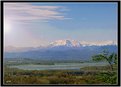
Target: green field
(88, 75)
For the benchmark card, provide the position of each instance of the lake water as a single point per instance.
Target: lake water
(58, 66)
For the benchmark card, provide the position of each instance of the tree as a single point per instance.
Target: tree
(110, 58)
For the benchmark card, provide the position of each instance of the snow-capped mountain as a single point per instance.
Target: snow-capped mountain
(62, 50)
(74, 43)
(60, 43)
(68, 43)
(98, 43)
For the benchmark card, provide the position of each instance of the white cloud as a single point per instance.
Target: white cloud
(27, 12)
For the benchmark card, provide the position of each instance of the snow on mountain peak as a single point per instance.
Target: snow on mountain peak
(74, 43)
(98, 43)
(68, 43)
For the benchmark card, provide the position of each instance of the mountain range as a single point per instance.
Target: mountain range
(61, 50)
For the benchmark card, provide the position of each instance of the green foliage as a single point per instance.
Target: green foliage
(99, 57)
(17, 76)
(108, 77)
(111, 59)
(115, 59)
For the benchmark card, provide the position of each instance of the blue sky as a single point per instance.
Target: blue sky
(35, 24)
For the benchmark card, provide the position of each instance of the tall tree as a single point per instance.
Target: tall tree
(110, 58)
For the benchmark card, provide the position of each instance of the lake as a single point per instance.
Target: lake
(58, 66)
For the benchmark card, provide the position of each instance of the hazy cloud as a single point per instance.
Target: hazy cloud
(27, 12)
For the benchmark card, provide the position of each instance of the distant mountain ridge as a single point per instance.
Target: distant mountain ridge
(58, 43)
(62, 50)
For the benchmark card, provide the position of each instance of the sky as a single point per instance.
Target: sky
(38, 24)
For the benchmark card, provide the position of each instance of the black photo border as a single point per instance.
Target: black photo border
(63, 1)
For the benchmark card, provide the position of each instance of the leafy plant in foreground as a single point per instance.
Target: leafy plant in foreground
(111, 59)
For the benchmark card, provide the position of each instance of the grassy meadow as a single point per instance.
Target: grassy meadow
(88, 75)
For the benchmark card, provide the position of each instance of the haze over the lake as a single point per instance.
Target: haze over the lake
(36, 24)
